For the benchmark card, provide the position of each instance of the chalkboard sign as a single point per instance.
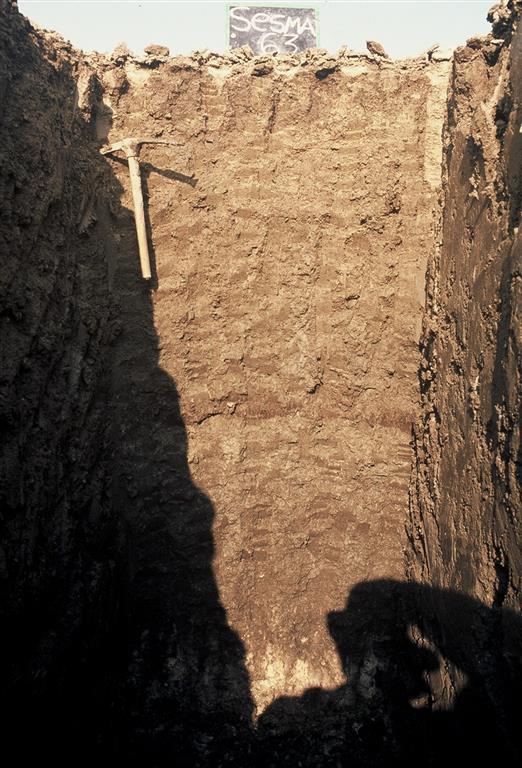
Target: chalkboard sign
(272, 30)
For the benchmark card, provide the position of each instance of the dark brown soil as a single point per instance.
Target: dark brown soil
(220, 544)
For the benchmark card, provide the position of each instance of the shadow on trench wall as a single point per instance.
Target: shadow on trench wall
(61, 548)
(184, 695)
(97, 664)
(187, 697)
(397, 642)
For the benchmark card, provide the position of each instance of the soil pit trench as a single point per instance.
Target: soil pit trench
(240, 490)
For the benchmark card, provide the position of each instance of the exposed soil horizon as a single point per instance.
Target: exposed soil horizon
(263, 508)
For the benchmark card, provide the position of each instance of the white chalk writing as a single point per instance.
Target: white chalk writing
(273, 30)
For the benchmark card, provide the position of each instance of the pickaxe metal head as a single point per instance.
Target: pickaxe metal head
(131, 146)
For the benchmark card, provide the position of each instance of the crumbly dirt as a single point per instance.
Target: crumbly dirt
(466, 483)
(62, 552)
(211, 517)
(276, 316)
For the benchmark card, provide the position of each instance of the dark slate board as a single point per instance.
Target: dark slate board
(270, 30)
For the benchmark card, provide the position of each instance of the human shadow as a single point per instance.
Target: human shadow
(432, 675)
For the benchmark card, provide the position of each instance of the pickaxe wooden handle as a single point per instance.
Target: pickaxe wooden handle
(131, 148)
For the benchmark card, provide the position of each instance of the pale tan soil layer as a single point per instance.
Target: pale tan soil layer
(288, 310)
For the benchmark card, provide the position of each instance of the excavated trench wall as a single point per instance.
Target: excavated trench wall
(468, 441)
(62, 555)
(290, 289)
(198, 473)
(466, 484)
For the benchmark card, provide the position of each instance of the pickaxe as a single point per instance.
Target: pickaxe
(131, 148)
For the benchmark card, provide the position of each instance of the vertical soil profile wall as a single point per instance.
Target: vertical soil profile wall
(290, 282)
(291, 226)
(62, 550)
(246, 519)
(466, 485)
